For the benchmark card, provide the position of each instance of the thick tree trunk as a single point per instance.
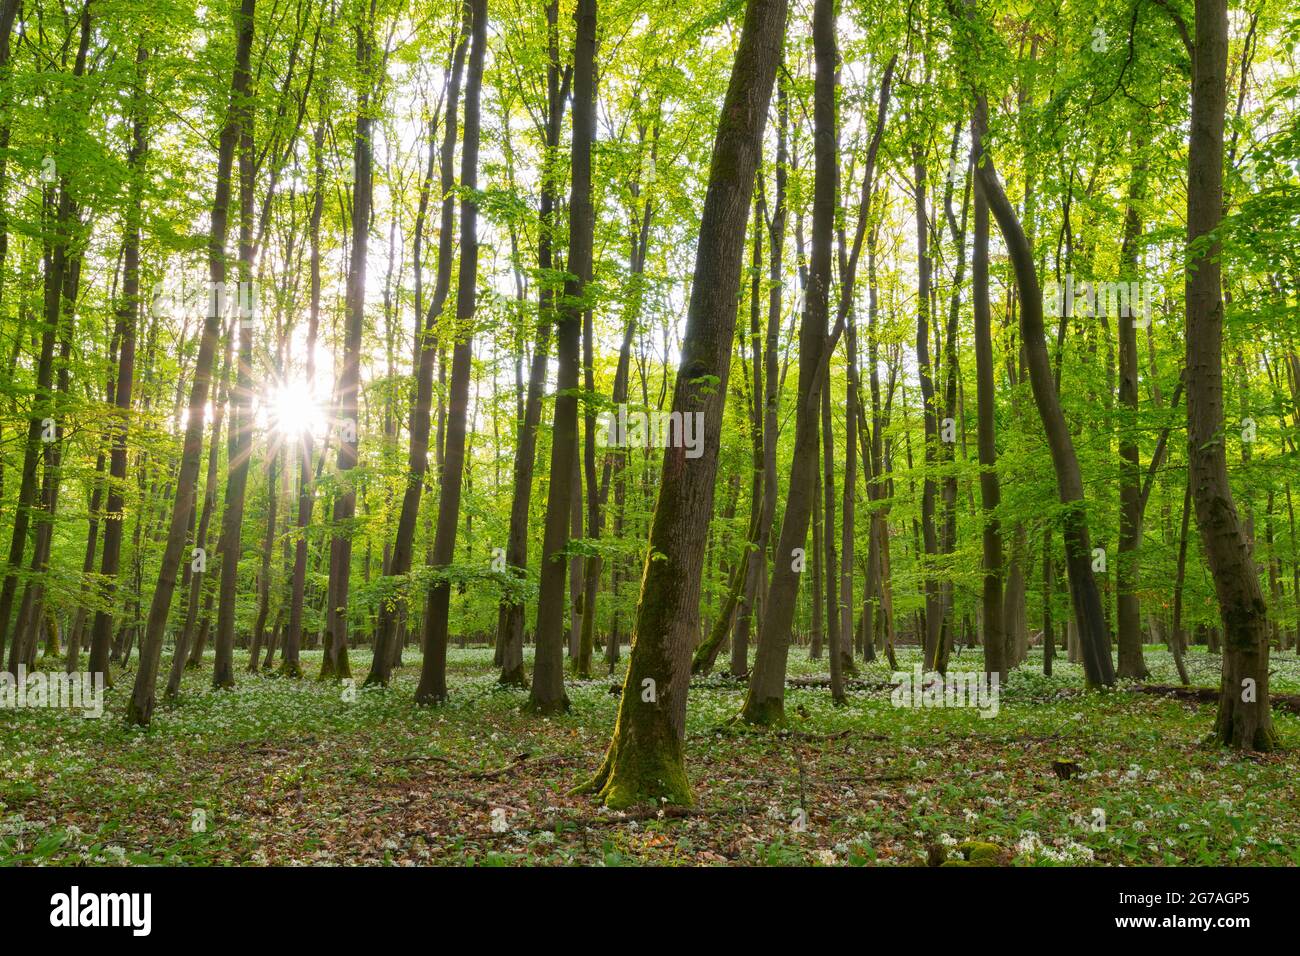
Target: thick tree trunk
(1244, 720)
(645, 757)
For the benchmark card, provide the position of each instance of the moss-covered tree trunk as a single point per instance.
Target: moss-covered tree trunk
(645, 756)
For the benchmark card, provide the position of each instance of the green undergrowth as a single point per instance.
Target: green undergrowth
(304, 772)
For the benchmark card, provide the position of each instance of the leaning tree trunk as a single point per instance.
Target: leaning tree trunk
(645, 759)
(1093, 636)
(765, 702)
(1244, 720)
(140, 708)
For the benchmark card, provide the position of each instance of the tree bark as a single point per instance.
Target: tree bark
(432, 688)
(392, 610)
(1244, 720)
(140, 707)
(645, 757)
(547, 693)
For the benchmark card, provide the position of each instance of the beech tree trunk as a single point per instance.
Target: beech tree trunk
(1244, 719)
(140, 707)
(432, 688)
(990, 491)
(547, 693)
(1094, 638)
(645, 759)
(240, 447)
(334, 664)
(765, 701)
(511, 613)
(290, 666)
(1128, 618)
(393, 611)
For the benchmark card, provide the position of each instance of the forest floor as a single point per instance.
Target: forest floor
(300, 772)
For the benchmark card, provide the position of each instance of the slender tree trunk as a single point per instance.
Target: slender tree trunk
(765, 702)
(432, 688)
(834, 651)
(934, 609)
(547, 693)
(511, 612)
(290, 664)
(335, 664)
(55, 267)
(141, 705)
(1129, 610)
(756, 570)
(391, 612)
(1177, 642)
(240, 446)
(191, 640)
(990, 491)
